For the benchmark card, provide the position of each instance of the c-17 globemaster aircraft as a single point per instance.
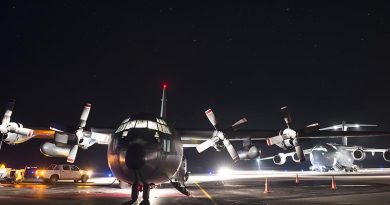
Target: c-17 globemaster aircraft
(146, 150)
(333, 156)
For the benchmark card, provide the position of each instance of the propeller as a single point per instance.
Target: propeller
(80, 134)
(220, 136)
(293, 135)
(289, 137)
(11, 127)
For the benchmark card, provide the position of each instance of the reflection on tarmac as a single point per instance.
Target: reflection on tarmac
(240, 187)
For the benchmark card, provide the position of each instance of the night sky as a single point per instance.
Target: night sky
(327, 61)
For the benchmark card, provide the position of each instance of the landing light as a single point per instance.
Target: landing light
(357, 125)
(224, 171)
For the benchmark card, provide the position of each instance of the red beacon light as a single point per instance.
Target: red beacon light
(165, 85)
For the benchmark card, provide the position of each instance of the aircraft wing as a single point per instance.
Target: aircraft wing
(337, 134)
(290, 154)
(102, 136)
(371, 150)
(191, 138)
(43, 134)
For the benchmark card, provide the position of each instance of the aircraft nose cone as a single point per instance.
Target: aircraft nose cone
(135, 156)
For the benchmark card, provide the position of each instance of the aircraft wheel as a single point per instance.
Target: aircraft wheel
(53, 179)
(76, 180)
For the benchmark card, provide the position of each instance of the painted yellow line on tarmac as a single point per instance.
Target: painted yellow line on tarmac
(206, 194)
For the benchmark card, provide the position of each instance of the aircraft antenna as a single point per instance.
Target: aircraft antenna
(164, 102)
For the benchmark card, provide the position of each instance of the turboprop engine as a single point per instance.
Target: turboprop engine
(279, 159)
(251, 153)
(58, 149)
(359, 154)
(386, 155)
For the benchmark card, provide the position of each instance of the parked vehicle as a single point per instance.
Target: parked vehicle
(63, 172)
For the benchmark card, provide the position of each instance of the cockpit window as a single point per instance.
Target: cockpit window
(152, 125)
(126, 120)
(167, 145)
(160, 125)
(141, 124)
(130, 124)
(161, 121)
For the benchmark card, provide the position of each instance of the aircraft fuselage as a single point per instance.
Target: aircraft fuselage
(328, 156)
(145, 149)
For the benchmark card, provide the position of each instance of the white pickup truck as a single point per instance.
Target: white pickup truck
(63, 172)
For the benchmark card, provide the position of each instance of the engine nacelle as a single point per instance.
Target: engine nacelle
(17, 134)
(219, 146)
(386, 155)
(296, 158)
(358, 154)
(51, 150)
(249, 154)
(11, 138)
(18, 128)
(86, 142)
(279, 159)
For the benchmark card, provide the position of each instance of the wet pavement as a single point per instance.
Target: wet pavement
(364, 188)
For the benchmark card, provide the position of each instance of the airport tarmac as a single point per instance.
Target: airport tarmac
(235, 188)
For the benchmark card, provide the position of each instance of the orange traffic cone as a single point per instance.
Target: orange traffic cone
(266, 188)
(296, 179)
(333, 186)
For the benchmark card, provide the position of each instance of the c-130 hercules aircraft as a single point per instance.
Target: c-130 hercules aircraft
(146, 150)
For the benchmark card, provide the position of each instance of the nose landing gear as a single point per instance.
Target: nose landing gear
(136, 188)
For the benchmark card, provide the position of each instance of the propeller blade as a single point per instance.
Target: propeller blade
(232, 152)
(1, 142)
(72, 154)
(210, 115)
(300, 154)
(239, 124)
(84, 115)
(286, 116)
(204, 145)
(57, 127)
(311, 128)
(8, 111)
